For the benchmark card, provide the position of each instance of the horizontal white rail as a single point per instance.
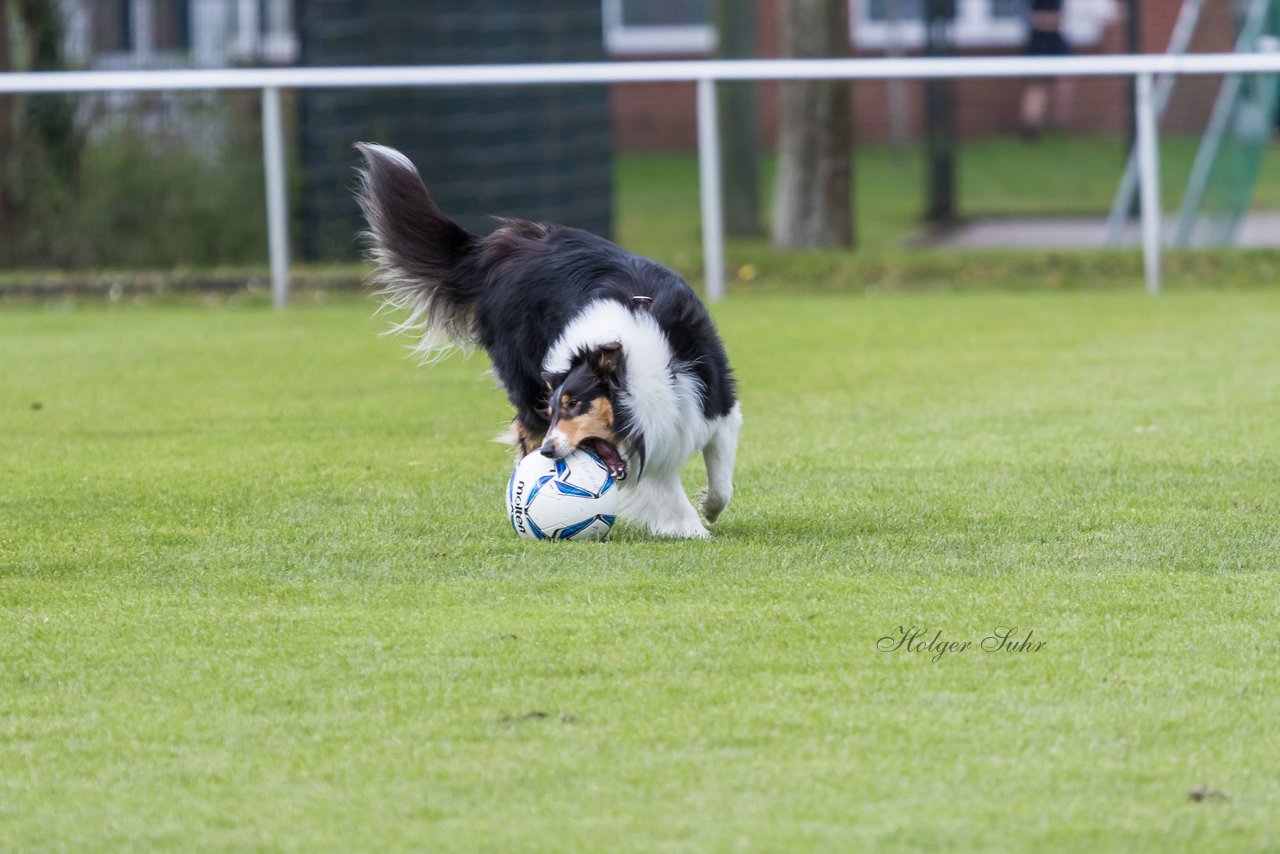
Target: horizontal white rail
(271, 80)
(638, 72)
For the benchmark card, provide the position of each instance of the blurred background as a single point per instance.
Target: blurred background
(175, 180)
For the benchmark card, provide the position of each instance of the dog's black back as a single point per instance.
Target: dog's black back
(513, 292)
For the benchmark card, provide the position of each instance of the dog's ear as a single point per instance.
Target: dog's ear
(553, 379)
(607, 359)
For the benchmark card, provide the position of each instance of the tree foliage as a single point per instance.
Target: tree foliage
(40, 146)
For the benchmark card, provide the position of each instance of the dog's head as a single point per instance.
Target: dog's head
(583, 408)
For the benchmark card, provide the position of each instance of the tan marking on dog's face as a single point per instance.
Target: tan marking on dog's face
(596, 421)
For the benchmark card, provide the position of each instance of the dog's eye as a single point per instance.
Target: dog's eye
(572, 403)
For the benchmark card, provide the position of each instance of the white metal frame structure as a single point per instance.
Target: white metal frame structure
(705, 73)
(1183, 29)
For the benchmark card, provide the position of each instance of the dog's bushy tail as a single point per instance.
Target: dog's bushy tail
(417, 250)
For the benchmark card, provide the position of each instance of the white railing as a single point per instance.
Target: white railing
(705, 74)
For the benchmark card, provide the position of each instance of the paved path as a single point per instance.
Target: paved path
(1258, 230)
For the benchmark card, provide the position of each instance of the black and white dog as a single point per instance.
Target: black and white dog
(596, 347)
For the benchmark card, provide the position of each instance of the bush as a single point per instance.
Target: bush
(190, 193)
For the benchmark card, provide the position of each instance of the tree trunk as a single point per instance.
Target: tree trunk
(6, 132)
(896, 89)
(815, 140)
(940, 205)
(739, 139)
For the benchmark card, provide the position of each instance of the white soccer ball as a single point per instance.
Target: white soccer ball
(574, 498)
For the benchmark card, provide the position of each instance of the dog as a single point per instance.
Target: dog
(596, 347)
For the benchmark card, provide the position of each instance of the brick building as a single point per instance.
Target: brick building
(158, 33)
(662, 116)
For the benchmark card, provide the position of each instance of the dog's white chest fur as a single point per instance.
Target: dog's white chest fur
(665, 398)
(663, 395)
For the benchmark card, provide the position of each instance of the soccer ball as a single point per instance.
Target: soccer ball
(574, 498)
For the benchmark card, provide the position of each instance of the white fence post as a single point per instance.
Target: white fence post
(1149, 182)
(277, 207)
(709, 189)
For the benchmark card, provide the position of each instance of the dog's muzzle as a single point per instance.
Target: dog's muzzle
(556, 447)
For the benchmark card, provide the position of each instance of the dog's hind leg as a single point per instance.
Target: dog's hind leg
(719, 455)
(522, 437)
(530, 438)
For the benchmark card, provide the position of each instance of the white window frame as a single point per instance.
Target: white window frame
(264, 32)
(976, 25)
(622, 39)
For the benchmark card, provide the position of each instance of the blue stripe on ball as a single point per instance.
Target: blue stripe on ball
(533, 492)
(573, 530)
(569, 489)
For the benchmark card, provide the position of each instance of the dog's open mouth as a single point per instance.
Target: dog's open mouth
(608, 455)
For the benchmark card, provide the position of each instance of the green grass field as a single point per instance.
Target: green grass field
(257, 590)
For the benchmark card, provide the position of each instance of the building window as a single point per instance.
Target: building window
(658, 26)
(264, 32)
(883, 24)
(279, 38)
(134, 30)
(172, 23)
(112, 26)
(684, 26)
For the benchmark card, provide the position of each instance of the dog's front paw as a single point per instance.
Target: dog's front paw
(691, 531)
(711, 506)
